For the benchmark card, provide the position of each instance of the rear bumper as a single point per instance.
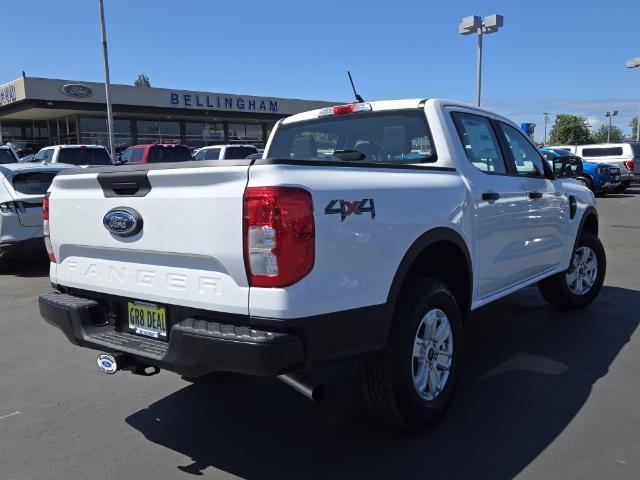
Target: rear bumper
(201, 344)
(22, 246)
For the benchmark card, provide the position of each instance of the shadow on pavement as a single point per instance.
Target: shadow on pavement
(529, 370)
(36, 266)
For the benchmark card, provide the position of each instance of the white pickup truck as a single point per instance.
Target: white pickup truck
(368, 230)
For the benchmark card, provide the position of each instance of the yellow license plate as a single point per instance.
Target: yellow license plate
(147, 319)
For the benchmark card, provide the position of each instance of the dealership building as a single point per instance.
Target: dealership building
(42, 111)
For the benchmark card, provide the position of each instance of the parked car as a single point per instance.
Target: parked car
(27, 158)
(76, 155)
(225, 152)
(8, 155)
(280, 265)
(600, 178)
(625, 156)
(22, 188)
(156, 153)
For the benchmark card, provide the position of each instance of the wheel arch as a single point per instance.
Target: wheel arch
(589, 222)
(433, 254)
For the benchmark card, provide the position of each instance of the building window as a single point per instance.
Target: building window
(93, 130)
(154, 131)
(245, 132)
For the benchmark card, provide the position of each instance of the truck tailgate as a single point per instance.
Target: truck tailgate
(189, 251)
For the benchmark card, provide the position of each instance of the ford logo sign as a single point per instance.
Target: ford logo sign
(76, 90)
(122, 221)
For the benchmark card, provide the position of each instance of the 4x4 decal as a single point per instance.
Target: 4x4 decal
(344, 208)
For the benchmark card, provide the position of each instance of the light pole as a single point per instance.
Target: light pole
(546, 118)
(610, 115)
(635, 63)
(474, 24)
(107, 83)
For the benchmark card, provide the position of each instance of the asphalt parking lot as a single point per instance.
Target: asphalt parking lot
(545, 394)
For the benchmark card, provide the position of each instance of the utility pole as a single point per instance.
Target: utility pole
(546, 118)
(107, 82)
(635, 63)
(610, 115)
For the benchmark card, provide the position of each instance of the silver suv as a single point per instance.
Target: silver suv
(22, 188)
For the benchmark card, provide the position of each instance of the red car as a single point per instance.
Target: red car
(156, 153)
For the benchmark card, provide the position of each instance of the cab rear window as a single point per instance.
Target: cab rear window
(400, 136)
(84, 156)
(36, 183)
(169, 154)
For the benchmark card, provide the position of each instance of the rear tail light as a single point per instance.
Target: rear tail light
(45, 227)
(12, 207)
(279, 235)
(628, 164)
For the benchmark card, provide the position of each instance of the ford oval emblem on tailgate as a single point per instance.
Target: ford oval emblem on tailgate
(122, 221)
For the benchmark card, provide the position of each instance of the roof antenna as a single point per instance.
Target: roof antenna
(355, 94)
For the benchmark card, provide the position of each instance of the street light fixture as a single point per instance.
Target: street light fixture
(610, 115)
(474, 24)
(635, 63)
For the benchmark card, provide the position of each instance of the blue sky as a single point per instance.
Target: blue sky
(551, 56)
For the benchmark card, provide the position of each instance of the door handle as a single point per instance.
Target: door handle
(535, 195)
(490, 196)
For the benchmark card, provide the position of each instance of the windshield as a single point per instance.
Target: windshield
(398, 136)
(7, 156)
(169, 154)
(84, 156)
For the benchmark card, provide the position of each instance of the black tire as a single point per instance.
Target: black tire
(387, 377)
(621, 188)
(556, 290)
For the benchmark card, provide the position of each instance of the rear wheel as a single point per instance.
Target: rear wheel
(581, 283)
(410, 383)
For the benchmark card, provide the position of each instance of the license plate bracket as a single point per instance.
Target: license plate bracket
(147, 319)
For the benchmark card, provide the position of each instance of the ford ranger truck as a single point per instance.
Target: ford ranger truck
(368, 230)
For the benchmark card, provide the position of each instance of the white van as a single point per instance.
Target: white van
(623, 155)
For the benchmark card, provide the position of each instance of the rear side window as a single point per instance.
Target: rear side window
(36, 183)
(237, 153)
(161, 154)
(479, 142)
(602, 152)
(44, 156)
(211, 154)
(526, 157)
(400, 136)
(7, 156)
(84, 156)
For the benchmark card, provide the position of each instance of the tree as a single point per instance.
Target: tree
(634, 127)
(602, 134)
(570, 130)
(142, 81)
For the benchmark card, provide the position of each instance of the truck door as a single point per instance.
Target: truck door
(501, 207)
(548, 206)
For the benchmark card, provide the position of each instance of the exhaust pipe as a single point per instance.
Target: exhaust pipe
(305, 384)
